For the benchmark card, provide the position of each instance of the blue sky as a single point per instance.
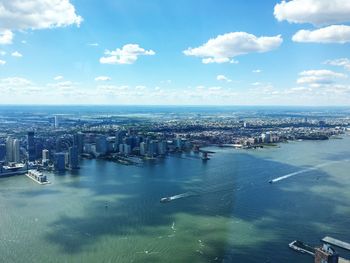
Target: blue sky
(77, 57)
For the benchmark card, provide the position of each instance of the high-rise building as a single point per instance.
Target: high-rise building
(2, 152)
(12, 150)
(101, 144)
(16, 151)
(162, 147)
(178, 143)
(60, 162)
(153, 148)
(9, 149)
(57, 121)
(45, 155)
(73, 157)
(143, 148)
(119, 135)
(31, 146)
(78, 140)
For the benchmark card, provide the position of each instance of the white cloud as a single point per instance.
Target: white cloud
(223, 78)
(2, 62)
(341, 62)
(24, 42)
(58, 78)
(16, 54)
(331, 34)
(257, 71)
(15, 82)
(2, 53)
(93, 44)
(319, 78)
(317, 12)
(128, 54)
(35, 14)
(225, 47)
(102, 78)
(6, 36)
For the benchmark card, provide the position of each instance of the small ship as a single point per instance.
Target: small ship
(165, 200)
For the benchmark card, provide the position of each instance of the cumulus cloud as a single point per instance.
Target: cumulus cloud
(34, 14)
(6, 36)
(223, 78)
(224, 48)
(128, 54)
(319, 78)
(58, 78)
(257, 71)
(16, 54)
(2, 62)
(317, 12)
(331, 34)
(341, 62)
(102, 78)
(37, 14)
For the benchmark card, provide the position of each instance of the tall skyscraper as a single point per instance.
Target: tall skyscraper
(16, 151)
(2, 152)
(45, 155)
(57, 121)
(101, 144)
(73, 157)
(60, 162)
(31, 146)
(78, 140)
(9, 149)
(12, 150)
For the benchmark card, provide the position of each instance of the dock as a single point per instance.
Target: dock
(336, 242)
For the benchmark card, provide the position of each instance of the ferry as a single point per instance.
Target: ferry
(37, 177)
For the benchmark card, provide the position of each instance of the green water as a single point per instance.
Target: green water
(108, 212)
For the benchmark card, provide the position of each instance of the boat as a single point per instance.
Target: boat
(37, 176)
(165, 200)
(302, 247)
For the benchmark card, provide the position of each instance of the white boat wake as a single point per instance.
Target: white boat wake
(304, 171)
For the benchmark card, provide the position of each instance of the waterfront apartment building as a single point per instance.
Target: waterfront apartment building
(60, 162)
(73, 157)
(78, 141)
(12, 150)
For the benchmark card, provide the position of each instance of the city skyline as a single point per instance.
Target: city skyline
(161, 53)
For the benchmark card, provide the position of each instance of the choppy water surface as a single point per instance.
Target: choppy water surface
(227, 210)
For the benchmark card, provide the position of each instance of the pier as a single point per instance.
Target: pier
(336, 242)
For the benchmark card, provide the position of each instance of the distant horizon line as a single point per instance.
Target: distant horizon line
(178, 105)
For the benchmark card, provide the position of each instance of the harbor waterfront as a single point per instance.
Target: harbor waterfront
(108, 212)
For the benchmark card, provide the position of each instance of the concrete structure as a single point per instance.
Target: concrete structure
(326, 254)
